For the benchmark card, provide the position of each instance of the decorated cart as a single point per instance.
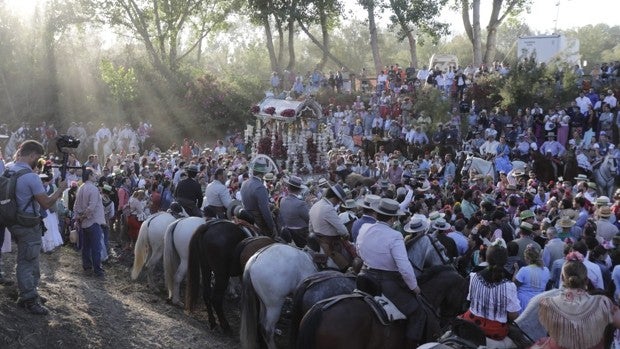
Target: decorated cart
(292, 133)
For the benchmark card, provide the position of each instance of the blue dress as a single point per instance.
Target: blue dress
(533, 280)
(502, 162)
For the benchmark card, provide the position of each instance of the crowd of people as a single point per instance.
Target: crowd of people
(517, 236)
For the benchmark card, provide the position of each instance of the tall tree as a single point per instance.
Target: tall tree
(370, 6)
(413, 18)
(499, 11)
(161, 26)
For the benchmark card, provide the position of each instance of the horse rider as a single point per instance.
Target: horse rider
(325, 224)
(217, 195)
(188, 192)
(552, 148)
(294, 213)
(488, 149)
(385, 261)
(255, 198)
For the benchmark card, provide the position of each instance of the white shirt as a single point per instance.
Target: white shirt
(217, 194)
(611, 100)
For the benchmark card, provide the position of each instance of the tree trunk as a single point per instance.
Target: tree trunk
(477, 40)
(325, 34)
(374, 40)
(491, 44)
(323, 48)
(291, 44)
(270, 48)
(494, 22)
(280, 44)
(413, 50)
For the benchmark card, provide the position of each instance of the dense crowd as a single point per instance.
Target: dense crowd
(507, 228)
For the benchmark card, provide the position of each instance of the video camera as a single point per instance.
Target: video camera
(65, 143)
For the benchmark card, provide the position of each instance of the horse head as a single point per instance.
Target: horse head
(467, 164)
(611, 164)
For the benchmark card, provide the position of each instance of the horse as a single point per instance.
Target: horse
(443, 294)
(605, 175)
(11, 145)
(269, 276)
(150, 244)
(479, 165)
(313, 289)
(176, 253)
(543, 167)
(211, 249)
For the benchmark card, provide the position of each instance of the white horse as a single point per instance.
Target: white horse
(176, 253)
(480, 166)
(270, 275)
(11, 145)
(149, 247)
(605, 175)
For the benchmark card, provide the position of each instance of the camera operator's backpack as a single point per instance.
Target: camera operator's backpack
(8, 202)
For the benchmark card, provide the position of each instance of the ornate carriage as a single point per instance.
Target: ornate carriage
(292, 133)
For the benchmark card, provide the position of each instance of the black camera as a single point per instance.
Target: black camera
(65, 142)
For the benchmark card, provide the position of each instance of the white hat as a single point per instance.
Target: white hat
(534, 146)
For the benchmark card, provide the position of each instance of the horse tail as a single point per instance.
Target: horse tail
(307, 330)
(141, 250)
(193, 269)
(297, 311)
(248, 331)
(171, 257)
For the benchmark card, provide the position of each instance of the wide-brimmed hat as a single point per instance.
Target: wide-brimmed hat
(339, 191)
(368, 200)
(107, 188)
(294, 181)
(526, 214)
(591, 185)
(604, 212)
(323, 182)
(581, 178)
(568, 212)
(269, 177)
(349, 204)
(602, 201)
(260, 165)
(436, 215)
(191, 168)
(387, 207)
(441, 224)
(551, 134)
(230, 210)
(527, 227)
(518, 173)
(566, 222)
(416, 225)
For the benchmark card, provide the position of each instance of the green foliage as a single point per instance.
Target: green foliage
(120, 80)
(430, 101)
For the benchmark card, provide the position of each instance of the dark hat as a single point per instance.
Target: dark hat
(339, 192)
(294, 181)
(260, 165)
(191, 168)
(387, 207)
(244, 215)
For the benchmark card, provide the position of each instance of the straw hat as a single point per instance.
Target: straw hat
(368, 200)
(416, 225)
(566, 222)
(269, 177)
(387, 207)
(441, 224)
(435, 215)
(527, 227)
(581, 178)
(526, 214)
(602, 201)
(349, 204)
(604, 212)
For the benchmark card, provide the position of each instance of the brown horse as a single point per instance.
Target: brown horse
(350, 322)
(213, 248)
(544, 168)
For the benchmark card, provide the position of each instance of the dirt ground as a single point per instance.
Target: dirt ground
(86, 312)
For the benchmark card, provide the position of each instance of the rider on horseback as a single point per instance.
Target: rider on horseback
(385, 261)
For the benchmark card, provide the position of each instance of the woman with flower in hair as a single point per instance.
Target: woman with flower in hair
(493, 297)
(575, 319)
(532, 279)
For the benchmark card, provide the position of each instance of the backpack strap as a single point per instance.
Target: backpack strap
(13, 184)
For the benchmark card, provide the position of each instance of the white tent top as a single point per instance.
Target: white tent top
(296, 109)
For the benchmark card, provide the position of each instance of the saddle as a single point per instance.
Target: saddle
(385, 311)
(469, 335)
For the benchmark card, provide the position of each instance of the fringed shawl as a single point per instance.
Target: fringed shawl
(574, 319)
(490, 300)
